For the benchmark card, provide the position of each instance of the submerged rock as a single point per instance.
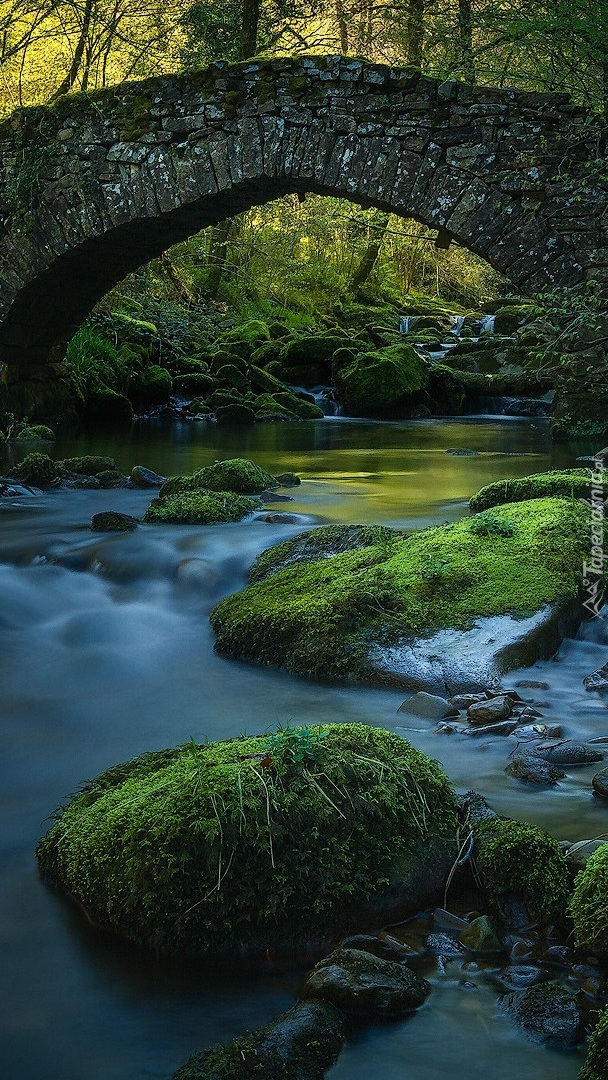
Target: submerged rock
(146, 478)
(258, 847)
(566, 753)
(299, 1045)
(547, 1013)
(491, 711)
(112, 521)
(528, 766)
(364, 985)
(428, 706)
(394, 611)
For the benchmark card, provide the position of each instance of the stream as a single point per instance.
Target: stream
(106, 652)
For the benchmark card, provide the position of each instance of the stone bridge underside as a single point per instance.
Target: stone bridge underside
(101, 183)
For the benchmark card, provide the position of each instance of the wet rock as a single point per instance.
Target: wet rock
(9, 490)
(600, 784)
(445, 921)
(490, 711)
(444, 945)
(528, 713)
(520, 976)
(365, 985)
(428, 706)
(578, 855)
(462, 452)
(382, 945)
(597, 680)
(112, 521)
(288, 479)
(280, 519)
(503, 727)
(480, 936)
(569, 754)
(547, 1014)
(462, 701)
(146, 478)
(532, 684)
(475, 807)
(298, 1045)
(534, 770)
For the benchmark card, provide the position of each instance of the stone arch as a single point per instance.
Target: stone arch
(101, 183)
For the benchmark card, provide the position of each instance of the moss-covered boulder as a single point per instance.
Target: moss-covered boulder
(365, 986)
(86, 464)
(298, 406)
(195, 384)
(235, 413)
(200, 508)
(580, 412)
(151, 386)
(518, 861)
(245, 339)
(596, 1062)
(38, 470)
(317, 544)
(298, 1045)
(108, 409)
(571, 483)
(113, 521)
(590, 905)
(510, 317)
(236, 474)
(253, 847)
(394, 612)
(382, 382)
(35, 433)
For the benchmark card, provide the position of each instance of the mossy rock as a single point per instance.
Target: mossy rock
(200, 508)
(313, 350)
(235, 413)
(509, 318)
(446, 390)
(264, 381)
(596, 1061)
(580, 413)
(479, 386)
(236, 474)
(571, 483)
(152, 386)
(266, 353)
(112, 478)
(37, 470)
(246, 338)
(589, 907)
(197, 384)
(321, 543)
(255, 845)
(298, 1045)
(108, 409)
(35, 433)
(224, 396)
(87, 465)
(516, 859)
(381, 383)
(268, 408)
(224, 357)
(381, 613)
(299, 407)
(113, 521)
(232, 376)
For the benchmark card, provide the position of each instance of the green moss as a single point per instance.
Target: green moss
(224, 844)
(297, 406)
(589, 906)
(268, 408)
(320, 543)
(36, 469)
(197, 383)
(236, 474)
(574, 483)
(199, 508)
(596, 1062)
(87, 465)
(152, 386)
(246, 338)
(517, 858)
(36, 432)
(231, 375)
(316, 349)
(380, 382)
(317, 619)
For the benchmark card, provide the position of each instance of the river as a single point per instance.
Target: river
(106, 651)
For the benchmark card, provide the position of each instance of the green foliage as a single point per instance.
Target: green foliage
(36, 469)
(316, 619)
(589, 907)
(35, 432)
(596, 1062)
(296, 748)
(200, 508)
(518, 858)
(575, 483)
(489, 524)
(206, 846)
(95, 364)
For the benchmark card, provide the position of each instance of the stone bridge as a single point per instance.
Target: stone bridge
(102, 182)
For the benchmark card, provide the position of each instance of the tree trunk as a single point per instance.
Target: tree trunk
(249, 28)
(372, 251)
(72, 74)
(182, 291)
(218, 250)
(465, 35)
(415, 33)
(342, 26)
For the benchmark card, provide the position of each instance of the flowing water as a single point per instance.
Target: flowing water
(106, 651)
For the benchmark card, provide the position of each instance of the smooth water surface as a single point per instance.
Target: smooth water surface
(106, 652)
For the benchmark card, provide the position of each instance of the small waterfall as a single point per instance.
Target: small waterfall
(404, 324)
(487, 324)
(457, 322)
